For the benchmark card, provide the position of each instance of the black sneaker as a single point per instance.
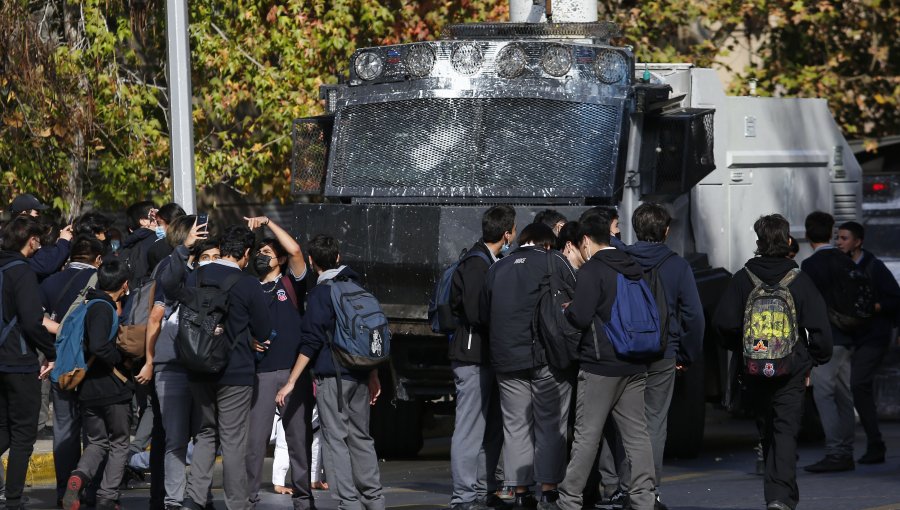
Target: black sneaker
(615, 502)
(494, 501)
(472, 505)
(831, 464)
(659, 504)
(548, 505)
(525, 500)
(777, 505)
(874, 454)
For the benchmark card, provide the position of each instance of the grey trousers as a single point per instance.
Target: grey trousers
(834, 400)
(351, 465)
(66, 435)
(223, 415)
(176, 405)
(477, 433)
(596, 397)
(108, 430)
(535, 407)
(296, 417)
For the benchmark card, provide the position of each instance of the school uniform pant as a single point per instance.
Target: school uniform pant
(18, 428)
(831, 391)
(296, 417)
(867, 357)
(597, 397)
(535, 408)
(224, 412)
(477, 434)
(176, 405)
(66, 435)
(108, 432)
(351, 464)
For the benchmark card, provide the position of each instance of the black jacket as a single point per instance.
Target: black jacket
(592, 305)
(812, 316)
(101, 385)
(469, 343)
(820, 267)
(887, 294)
(508, 304)
(21, 299)
(49, 259)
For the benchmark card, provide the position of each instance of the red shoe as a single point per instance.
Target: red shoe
(72, 498)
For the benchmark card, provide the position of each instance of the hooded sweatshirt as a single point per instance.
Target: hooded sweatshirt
(21, 299)
(592, 305)
(686, 320)
(101, 386)
(815, 346)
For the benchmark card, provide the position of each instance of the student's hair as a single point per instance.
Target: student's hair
(179, 230)
(609, 213)
(86, 248)
(538, 234)
(235, 241)
(112, 274)
(795, 248)
(19, 230)
(568, 234)
(650, 222)
(273, 243)
(595, 226)
(324, 251)
(91, 224)
(170, 212)
(854, 228)
(772, 234)
(549, 217)
(497, 221)
(137, 212)
(819, 227)
(203, 245)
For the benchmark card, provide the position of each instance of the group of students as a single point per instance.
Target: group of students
(278, 321)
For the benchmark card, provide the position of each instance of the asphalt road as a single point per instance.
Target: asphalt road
(721, 478)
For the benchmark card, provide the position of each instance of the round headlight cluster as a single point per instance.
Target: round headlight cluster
(419, 60)
(369, 65)
(467, 58)
(511, 61)
(610, 66)
(556, 60)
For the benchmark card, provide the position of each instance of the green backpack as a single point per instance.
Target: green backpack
(770, 327)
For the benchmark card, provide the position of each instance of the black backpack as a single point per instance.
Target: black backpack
(202, 345)
(557, 335)
(851, 297)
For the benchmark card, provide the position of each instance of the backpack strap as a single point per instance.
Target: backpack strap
(753, 278)
(15, 320)
(289, 290)
(112, 334)
(664, 259)
(334, 358)
(789, 277)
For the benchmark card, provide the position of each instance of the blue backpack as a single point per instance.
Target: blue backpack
(70, 367)
(634, 326)
(362, 338)
(7, 327)
(439, 313)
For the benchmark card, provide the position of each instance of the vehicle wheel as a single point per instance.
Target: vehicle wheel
(396, 427)
(687, 414)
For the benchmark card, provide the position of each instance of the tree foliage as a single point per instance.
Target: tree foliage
(84, 97)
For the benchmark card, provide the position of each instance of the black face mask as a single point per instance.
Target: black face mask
(261, 264)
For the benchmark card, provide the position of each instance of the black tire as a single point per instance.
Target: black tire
(396, 426)
(687, 414)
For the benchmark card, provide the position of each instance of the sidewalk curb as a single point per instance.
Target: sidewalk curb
(41, 471)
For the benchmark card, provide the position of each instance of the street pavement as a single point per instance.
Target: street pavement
(721, 478)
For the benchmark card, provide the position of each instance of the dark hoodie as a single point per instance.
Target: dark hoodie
(595, 294)
(887, 294)
(318, 326)
(101, 386)
(812, 316)
(686, 321)
(136, 247)
(469, 343)
(21, 299)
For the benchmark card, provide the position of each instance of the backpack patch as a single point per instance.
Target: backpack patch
(362, 338)
(439, 313)
(770, 327)
(71, 367)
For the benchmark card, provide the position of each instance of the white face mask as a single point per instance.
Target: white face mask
(205, 262)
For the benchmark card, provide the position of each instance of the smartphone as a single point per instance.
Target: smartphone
(202, 219)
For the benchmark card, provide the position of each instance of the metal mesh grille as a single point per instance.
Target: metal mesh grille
(677, 151)
(309, 156)
(476, 147)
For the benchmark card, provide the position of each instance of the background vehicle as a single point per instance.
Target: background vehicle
(422, 137)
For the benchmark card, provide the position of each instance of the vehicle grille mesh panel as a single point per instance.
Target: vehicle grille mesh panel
(309, 157)
(475, 147)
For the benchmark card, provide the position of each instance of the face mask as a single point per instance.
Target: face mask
(160, 233)
(261, 264)
(115, 244)
(203, 263)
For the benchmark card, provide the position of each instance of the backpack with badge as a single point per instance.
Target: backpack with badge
(70, 366)
(770, 327)
(634, 326)
(6, 328)
(201, 344)
(557, 335)
(440, 315)
(851, 302)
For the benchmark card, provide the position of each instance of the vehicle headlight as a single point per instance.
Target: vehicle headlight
(556, 60)
(511, 61)
(419, 60)
(369, 65)
(466, 58)
(610, 66)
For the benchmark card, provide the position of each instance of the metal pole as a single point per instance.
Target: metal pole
(182, 136)
(631, 193)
